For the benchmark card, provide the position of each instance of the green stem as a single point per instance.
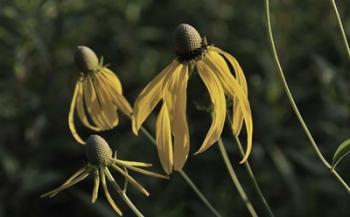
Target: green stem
(235, 179)
(187, 179)
(342, 31)
(294, 106)
(250, 171)
(122, 194)
(255, 182)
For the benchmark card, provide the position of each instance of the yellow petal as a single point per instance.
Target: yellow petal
(130, 179)
(117, 98)
(71, 179)
(114, 79)
(92, 104)
(96, 186)
(108, 196)
(164, 140)
(149, 98)
(131, 163)
(81, 110)
(237, 68)
(217, 97)
(237, 116)
(71, 115)
(108, 108)
(233, 89)
(176, 98)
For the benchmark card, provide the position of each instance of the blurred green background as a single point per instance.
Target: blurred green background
(37, 75)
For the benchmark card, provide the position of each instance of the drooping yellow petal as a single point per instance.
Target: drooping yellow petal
(134, 167)
(149, 98)
(233, 89)
(81, 110)
(108, 196)
(164, 140)
(175, 97)
(117, 98)
(69, 184)
(237, 115)
(131, 163)
(108, 108)
(217, 98)
(237, 68)
(71, 114)
(130, 179)
(92, 104)
(113, 78)
(96, 186)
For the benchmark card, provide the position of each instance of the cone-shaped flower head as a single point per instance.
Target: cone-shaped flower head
(97, 150)
(97, 95)
(100, 159)
(214, 68)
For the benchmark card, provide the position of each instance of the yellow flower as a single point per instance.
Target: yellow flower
(213, 66)
(97, 95)
(100, 159)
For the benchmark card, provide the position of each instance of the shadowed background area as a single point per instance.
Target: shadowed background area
(37, 152)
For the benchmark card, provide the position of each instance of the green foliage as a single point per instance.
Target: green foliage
(341, 152)
(37, 43)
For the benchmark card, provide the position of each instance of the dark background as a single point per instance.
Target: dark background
(37, 75)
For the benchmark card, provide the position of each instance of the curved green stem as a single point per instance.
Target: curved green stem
(235, 179)
(251, 173)
(187, 179)
(255, 182)
(292, 103)
(342, 31)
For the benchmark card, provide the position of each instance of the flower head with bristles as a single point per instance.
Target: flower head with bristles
(214, 67)
(100, 159)
(97, 96)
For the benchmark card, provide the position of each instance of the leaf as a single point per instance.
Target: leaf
(341, 152)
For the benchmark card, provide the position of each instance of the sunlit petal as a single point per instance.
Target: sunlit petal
(164, 140)
(233, 89)
(71, 114)
(113, 79)
(108, 108)
(92, 104)
(149, 98)
(237, 116)
(106, 192)
(74, 179)
(81, 110)
(217, 97)
(96, 186)
(132, 181)
(175, 97)
(117, 98)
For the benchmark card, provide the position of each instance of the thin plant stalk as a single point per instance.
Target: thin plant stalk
(187, 179)
(251, 173)
(123, 194)
(235, 179)
(293, 104)
(341, 28)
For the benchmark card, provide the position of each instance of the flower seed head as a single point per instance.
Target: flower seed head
(85, 59)
(188, 42)
(97, 150)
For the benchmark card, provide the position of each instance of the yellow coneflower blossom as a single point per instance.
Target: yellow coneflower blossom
(213, 66)
(100, 159)
(97, 95)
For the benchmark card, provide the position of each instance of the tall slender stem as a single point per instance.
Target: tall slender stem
(292, 103)
(250, 172)
(342, 31)
(187, 179)
(235, 179)
(255, 182)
